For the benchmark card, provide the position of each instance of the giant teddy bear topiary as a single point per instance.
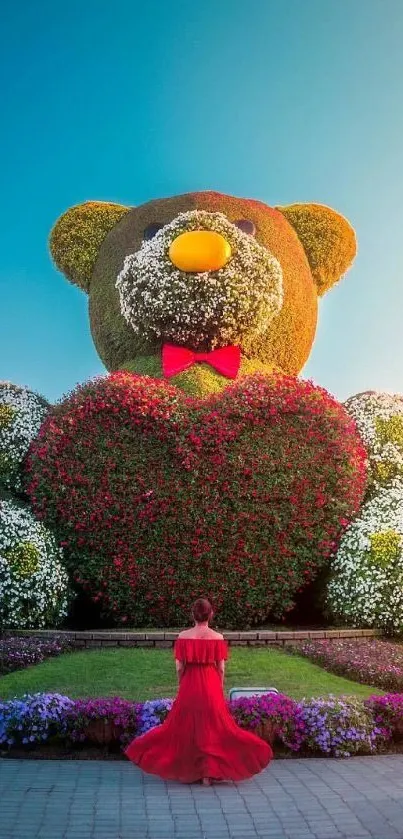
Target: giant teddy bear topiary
(201, 464)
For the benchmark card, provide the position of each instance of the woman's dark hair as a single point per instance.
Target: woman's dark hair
(202, 610)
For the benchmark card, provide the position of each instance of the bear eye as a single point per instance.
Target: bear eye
(246, 225)
(151, 230)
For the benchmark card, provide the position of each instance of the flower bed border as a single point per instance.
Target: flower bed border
(164, 638)
(332, 726)
(370, 661)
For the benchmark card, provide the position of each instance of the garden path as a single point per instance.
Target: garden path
(360, 798)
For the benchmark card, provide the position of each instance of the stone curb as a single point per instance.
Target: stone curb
(163, 639)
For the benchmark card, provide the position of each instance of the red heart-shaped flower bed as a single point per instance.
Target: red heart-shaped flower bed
(159, 498)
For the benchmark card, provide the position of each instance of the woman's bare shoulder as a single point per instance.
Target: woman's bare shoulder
(215, 636)
(191, 633)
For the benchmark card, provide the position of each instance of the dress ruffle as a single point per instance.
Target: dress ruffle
(200, 650)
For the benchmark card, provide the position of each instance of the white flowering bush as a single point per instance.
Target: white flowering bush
(21, 415)
(379, 418)
(33, 582)
(206, 309)
(366, 583)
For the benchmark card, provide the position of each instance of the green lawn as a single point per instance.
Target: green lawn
(141, 674)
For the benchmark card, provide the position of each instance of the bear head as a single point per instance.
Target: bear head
(199, 273)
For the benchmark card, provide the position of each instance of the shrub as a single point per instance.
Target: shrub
(387, 712)
(18, 653)
(369, 661)
(21, 415)
(33, 583)
(379, 418)
(242, 496)
(33, 719)
(335, 727)
(120, 715)
(366, 582)
(282, 712)
(340, 727)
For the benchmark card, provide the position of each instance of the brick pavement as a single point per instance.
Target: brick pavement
(293, 799)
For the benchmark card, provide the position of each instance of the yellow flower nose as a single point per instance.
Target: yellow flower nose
(200, 250)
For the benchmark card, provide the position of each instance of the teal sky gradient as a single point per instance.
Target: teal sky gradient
(279, 100)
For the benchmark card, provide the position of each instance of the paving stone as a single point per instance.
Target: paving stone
(18, 833)
(301, 799)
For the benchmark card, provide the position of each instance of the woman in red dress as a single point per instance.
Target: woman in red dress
(199, 740)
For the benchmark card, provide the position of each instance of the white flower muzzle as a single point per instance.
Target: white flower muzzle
(201, 310)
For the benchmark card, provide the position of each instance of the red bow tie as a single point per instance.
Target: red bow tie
(176, 359)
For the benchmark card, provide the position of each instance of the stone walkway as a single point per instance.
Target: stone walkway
(293, 799)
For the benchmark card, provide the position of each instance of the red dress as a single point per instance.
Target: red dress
(199, 738)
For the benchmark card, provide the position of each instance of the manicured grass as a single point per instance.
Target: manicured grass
(141, 674)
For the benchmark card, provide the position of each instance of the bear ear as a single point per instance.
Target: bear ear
(328, 239)
(77, 236)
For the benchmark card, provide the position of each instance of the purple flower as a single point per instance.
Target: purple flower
(388, 713)
(333, 726)
(367, 660)
(152, 713)
(121, 714)
(17, 653)
(33, 718)
(279, 710)
(340, 726)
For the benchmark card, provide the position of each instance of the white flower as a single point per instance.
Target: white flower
(205, 309)
(366, 584)
(21, 415)
(33, 582)
(379, 418)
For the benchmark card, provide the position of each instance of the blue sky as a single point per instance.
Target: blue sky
(298, 100)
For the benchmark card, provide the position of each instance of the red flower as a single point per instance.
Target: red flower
(161, 497)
